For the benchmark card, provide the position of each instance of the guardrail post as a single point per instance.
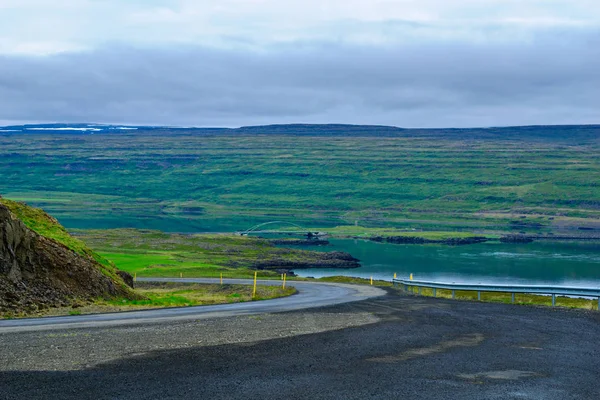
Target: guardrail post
(478, 295)
(433, 292)
(453, 293)
(553, 300)
(512, 298)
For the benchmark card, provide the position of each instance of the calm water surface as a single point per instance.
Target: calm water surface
(557, 263)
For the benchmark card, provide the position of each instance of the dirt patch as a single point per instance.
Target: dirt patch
(470, 340)
(511, 375)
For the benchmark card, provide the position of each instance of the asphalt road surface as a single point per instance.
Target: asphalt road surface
(389, 347)
(309, 295)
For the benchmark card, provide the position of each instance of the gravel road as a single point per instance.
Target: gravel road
(390, 347)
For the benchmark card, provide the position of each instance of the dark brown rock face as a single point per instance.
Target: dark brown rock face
(516, 239)
(127, 278)
(37, 272)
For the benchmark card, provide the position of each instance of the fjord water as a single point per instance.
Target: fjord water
(554, 263)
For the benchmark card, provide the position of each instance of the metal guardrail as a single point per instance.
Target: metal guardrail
(546, 290)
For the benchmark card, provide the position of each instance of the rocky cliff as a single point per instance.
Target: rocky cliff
(42, 266)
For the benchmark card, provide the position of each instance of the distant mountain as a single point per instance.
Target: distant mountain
(543, 132)
(323, 129)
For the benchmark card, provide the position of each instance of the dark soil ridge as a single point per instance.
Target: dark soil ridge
(563, 237)
(37, 272)
(299, 242)
(420, 240)
(475, 239)
(332, 259)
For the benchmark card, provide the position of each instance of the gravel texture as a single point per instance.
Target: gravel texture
(391, 347)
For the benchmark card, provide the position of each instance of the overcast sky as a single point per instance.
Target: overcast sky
(409, 63)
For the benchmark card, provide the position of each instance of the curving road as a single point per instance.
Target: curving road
(310, 295)
(390, 347)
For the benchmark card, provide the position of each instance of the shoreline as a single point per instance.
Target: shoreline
(462, 241)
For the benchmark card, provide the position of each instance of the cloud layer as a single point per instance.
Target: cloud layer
(233, 62)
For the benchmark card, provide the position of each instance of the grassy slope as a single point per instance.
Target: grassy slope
(43, 224)
(229, 182)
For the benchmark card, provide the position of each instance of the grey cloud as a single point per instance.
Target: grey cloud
(552, 79)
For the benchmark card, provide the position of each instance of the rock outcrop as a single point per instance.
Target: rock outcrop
(516, 239)
(37, 272)
(332, 259)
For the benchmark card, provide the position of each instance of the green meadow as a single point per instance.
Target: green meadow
(157, 254)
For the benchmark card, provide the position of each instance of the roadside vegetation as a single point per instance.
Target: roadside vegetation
(520, 298)
(164, 295)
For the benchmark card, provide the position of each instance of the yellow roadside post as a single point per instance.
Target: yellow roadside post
(411, 277)
(181, 274)
(371, 280)
(221, 278)
(135, 276)
(254, 290)
(284, 278)
(394, 275)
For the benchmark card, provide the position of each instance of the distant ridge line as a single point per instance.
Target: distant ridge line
(564, 132)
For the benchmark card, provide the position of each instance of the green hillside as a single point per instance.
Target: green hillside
(531, 179)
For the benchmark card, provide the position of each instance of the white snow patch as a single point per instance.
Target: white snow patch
(65, 129)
